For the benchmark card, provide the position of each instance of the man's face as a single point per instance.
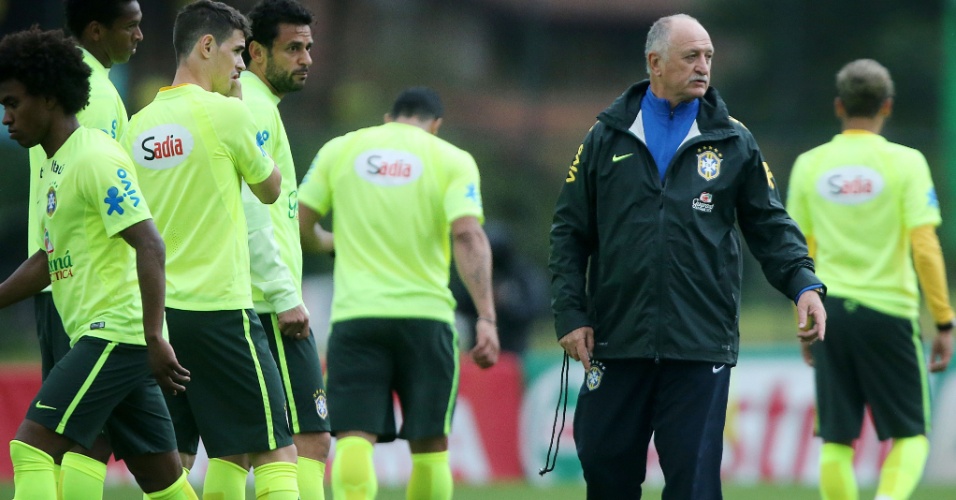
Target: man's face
(227, 63)
(288, 61)
(26, 116)
(121, 38)
(684, 71)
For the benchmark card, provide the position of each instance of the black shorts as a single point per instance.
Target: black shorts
(301, 372)
(54, 341)
(234, 398)
(869, 359)
(102, 385)
(369, 358)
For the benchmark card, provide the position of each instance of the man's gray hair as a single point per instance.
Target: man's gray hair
(658, 37)
(863, 86)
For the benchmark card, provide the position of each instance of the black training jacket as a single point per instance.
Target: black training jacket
(656, 269)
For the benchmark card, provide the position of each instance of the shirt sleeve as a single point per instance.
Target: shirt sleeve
(314, 191)
(573, 239)
(920, 205)
(463, 195)
(269, 273)
(110, 184)
(245, 143)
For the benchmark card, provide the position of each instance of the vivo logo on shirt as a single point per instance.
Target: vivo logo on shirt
(163, 147)
(850, 185)
(388, 167)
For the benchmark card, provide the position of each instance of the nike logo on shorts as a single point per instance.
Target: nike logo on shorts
(716, 368)
(43, 406)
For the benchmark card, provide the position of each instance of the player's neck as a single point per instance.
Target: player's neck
(260, 73)
(98, 53)
(186, 73)
(874, 124)
(60, 130)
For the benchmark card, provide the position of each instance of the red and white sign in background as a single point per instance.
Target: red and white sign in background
(502, 425)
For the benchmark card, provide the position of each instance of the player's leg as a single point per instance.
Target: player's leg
(142, 434)
(840, 398)
(360, 374)
(426, 381)
(236, 394)
(899, 401)
(690, 406)
(82, 471)
(71, 408)
(307, 405)
(612, 426)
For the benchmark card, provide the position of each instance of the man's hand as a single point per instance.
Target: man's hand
(811, 317)
(579, 344)
(486, 350)
(169, 374)
(294, 323)
(942, 351)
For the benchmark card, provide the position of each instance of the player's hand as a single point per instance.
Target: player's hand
(486, 350)
(942, 351)
(235, 89)
(294, 323)
(579, 344)
(805, 352)
(169, 374)
(811, 317)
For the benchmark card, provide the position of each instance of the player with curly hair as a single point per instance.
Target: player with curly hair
(115, 320)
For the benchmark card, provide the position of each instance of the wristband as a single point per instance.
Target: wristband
(945, 327)
(493, 323)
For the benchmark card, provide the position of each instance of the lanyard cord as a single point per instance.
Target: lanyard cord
(549, 461)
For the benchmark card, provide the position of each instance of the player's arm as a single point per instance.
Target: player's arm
(931, 271)
(28, 280)
(315, 239)
(151, 270)
(268, 190)
(269, 273)
(473, 262)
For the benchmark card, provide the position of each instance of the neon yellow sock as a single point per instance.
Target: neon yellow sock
(431, 477)
(33, 477)
(224, 480)
(276, 481)
(311, 479)
(59, 481)
(81, 477)
(353, 476)
(903, 468)
(837, 479)
(180, 490)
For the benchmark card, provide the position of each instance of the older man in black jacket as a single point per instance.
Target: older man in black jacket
(647, 270)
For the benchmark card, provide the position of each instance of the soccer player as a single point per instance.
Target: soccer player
(397, 192)
(193, 146)
(114, 317)
(278, 61)
(107, 32)
(869, 210)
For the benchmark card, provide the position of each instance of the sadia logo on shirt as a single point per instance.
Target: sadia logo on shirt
(850, 184)
(388, 167)
(163, 147)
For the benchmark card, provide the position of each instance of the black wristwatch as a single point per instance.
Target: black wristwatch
(945, 327)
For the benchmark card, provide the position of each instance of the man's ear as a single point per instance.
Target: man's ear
(94, 31)
(886, 109)
(205, 45)
(257, 52)
(838, 109)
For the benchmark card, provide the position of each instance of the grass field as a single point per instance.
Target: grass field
(522, 491)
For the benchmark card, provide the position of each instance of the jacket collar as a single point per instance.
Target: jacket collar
(712, 116)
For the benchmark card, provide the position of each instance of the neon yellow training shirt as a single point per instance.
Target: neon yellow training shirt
(276, 279)
(859, 196)
(105, 111)
(192, 148)
(90, 195)
(394, 190)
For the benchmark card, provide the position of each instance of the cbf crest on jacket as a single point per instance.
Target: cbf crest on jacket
(656, 267)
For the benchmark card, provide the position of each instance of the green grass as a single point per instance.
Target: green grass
(523, 491)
